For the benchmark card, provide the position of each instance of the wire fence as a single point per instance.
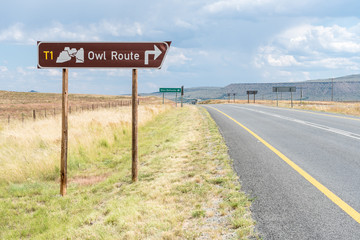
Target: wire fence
(16, 114)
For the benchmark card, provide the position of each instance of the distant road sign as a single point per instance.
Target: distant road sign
(251, 92)
(101, 54)
(284, 89)
(170, 90)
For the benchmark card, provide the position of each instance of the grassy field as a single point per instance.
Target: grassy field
(19, 105)
(348, 108)
(186, 189)
(31, 150)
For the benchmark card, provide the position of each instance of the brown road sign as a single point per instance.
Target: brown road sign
(101, 54)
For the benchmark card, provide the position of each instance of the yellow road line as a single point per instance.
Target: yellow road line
(338, 201)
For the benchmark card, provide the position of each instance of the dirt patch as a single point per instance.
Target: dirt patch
(89, 180)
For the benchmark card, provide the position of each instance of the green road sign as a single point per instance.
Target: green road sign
(170, 90)
(284, 89)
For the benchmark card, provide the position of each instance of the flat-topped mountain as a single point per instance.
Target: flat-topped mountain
(345, 88)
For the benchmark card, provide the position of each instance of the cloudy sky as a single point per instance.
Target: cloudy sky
(214, 42)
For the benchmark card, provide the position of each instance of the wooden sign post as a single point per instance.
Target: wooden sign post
(251, 92)
(134, 165)
(64, 132)
(132, 55)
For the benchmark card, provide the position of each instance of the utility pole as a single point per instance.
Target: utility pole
(332, 89)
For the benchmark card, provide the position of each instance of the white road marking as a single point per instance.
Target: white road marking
(310, 112)
(315, 125)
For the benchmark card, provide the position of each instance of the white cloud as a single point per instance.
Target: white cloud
(53, 72)
(117, 29)
(320, 38)
(281, 61)
(309, 46)
(113, 72)
(269, 55)
(177, 56)
(3, 69)
(276, 75)
(118, 72)
(153, 87)
(18, 33)
(257, 6)
(238, 5)
(183, 24)
(336, 63)
(12, 33)
(22, 71)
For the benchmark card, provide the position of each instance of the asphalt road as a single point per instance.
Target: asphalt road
(302, 169)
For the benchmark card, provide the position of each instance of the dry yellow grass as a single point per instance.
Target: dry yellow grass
(348, 108)
(31, 150)
(20, 105)
(186, 189)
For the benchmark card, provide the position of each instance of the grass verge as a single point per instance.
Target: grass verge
(186, 189)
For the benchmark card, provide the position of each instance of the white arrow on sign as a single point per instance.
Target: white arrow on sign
(156, 53)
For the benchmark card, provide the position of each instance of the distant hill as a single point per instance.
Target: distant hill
(346, 88)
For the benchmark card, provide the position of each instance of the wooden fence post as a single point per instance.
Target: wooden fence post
(34, 115)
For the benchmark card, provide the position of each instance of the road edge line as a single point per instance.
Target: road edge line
(333, 197)
(328, 114)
